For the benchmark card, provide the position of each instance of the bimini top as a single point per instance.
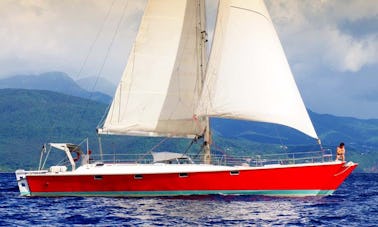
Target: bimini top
(63, 146)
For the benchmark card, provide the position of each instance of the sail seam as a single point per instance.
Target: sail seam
(253, 11)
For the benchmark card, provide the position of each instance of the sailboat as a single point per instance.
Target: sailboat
(170, 88)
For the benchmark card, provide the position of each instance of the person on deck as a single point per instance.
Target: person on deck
(340, 152)
(86, 158)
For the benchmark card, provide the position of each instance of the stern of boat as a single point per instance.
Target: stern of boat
(22, 181)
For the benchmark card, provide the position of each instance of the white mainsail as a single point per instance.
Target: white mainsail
(160, 88)
(248, 76)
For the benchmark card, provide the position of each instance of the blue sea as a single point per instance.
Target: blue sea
(355, 203)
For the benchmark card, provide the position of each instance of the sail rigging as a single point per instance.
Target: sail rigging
(167, 81)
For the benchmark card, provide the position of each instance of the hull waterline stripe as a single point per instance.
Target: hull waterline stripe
(293, 193)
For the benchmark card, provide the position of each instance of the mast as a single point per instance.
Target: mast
(203, 64)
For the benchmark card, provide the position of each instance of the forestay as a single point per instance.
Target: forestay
(160, 87)
(248, 76)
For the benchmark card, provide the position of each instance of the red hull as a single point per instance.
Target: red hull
(299, 180)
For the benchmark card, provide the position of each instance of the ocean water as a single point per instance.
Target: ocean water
(355, 203)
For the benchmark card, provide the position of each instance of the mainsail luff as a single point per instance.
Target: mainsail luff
(248, 76)
(161, 85)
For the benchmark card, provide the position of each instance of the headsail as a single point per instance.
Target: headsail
(161, 85)
(248, 76)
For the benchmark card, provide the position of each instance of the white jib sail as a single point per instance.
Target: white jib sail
(248, 76)
(160, 87)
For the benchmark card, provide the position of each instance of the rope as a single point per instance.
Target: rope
(94, 42)
(283, 147)
(194, 140)
(105, 60)
(111, 43)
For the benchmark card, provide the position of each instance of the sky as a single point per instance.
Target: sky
(331, 45)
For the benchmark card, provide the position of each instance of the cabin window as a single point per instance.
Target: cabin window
(138, 176)
(183, 174)
(98, 177)
(234, 172)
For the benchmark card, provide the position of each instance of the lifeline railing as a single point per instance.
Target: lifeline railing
(230, 160)
(275, 159)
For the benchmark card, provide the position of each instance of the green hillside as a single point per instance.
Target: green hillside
(30, 118)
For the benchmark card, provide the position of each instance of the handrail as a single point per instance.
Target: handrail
(226, 160)
(256, 160)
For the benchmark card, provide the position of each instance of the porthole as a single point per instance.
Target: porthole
(138, 176)
(98, 177)
(183, 174)
(234, 172)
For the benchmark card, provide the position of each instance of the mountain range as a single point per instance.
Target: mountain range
(63, 83)
(98, 84)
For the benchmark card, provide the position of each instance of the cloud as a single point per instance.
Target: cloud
(347, 53)
(45, 35)
(311, 29)
(332, 47)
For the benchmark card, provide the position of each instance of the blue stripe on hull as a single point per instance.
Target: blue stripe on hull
(279, 193)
